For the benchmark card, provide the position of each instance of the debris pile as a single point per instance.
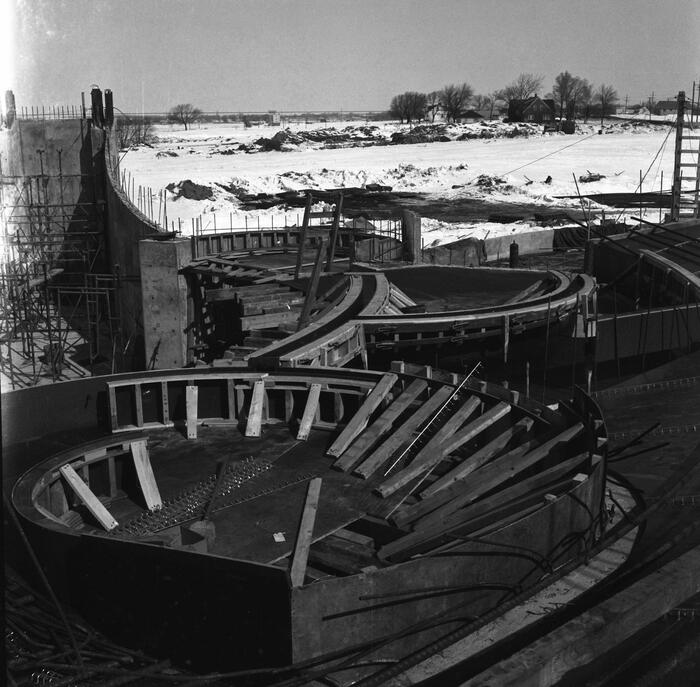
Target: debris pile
(188, 189)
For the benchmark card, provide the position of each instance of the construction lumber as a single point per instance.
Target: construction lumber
(360, 419)
(306, 530)
(381, 425)
(191, 398)
(473, 429)
(479, 457)
(404, 433)
(505, 468)
(447, 516)
(310, 410)
(144, 473)
(257, 398)
(334, 553)
(269, 320)
(428, 505)
(313, 286)
(431, 454)
(590, 635)
(88, 498)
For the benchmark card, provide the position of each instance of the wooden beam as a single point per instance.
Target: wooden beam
(252, 428)
(479, 457)
(88, 498)
(446, 516)
(191, 400)
(144, 472)
(113, 407)
(138, 401)
(404, 433)
(473, 429)
(306, 530)
(360, 419)
(165, 403)
(431, 454)
(231, 399)
(381, 425)
(313, 286)
(454, 494)
(310, 410)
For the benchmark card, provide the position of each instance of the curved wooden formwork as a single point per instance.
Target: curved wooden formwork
(425, 485)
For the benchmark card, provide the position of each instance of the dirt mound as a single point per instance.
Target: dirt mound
(188, 189)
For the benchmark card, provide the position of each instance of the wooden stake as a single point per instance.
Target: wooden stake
(305, 534)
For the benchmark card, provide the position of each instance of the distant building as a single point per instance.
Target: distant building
(533, 110)
(469, 116)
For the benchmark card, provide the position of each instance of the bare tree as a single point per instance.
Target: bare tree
(131, 131)
(581, 94)
(184, 114)
(432, 104)
(607, 97)
(454, 100)
(564, 85)
(409, 106)
(496, 96)
(481, 102)
(525, 86)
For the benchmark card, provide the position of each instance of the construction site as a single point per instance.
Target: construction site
(324, 453)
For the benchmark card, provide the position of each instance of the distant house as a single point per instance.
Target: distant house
(469, 116)
(533, 110)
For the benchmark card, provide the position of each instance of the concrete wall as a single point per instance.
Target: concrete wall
(126, 226)
(164, 293)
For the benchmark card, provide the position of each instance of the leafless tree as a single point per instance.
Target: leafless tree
(607, 97)
(409, 106)
(496, 96)
(564, 85)
(432, 104)
(184, 114)
(581, 95)
(454, 100)
(525, 86)
(481, 102)
(131, 131)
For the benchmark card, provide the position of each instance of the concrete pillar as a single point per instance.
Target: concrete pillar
(411, 236)
(164, 294)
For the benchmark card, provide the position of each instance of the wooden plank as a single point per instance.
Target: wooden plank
(310, 410)
(313, 286)
(231, 398)
(87, 498)
(479, 458)
(428, 505)
(404, 433)
(191, 400)
(473, 429)
(381, 425)
(447, 515)
(144, 472)
(165, 403)
(112, 472)
(431, 454)
(252, 428)
(306, 530)
(113, 407)
(506, 467)
(138, 400)
(360, 419)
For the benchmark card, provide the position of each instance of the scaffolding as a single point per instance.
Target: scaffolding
(58, 317)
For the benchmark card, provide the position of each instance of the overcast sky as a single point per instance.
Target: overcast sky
(256, 55)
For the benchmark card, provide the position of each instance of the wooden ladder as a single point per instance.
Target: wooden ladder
(332, 229)
(687, 155)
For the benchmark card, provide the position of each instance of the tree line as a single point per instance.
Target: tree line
(573, 96)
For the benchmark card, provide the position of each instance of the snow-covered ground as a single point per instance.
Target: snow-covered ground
(503, 163)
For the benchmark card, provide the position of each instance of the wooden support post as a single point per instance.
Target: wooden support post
(302, 235)
(112, 472)
(313, 287)
(165, 403)
(256, 408)
(231, 399)
(334, 231)
(144, 472)
(380, 426)
(113, 408)
(309, 412)
(360, 419)
(305, 534)
(191, 400)
(138, 402)
(88, 498)
(506, 337)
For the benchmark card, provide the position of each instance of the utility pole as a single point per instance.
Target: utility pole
(626, 99)
(651, 104)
